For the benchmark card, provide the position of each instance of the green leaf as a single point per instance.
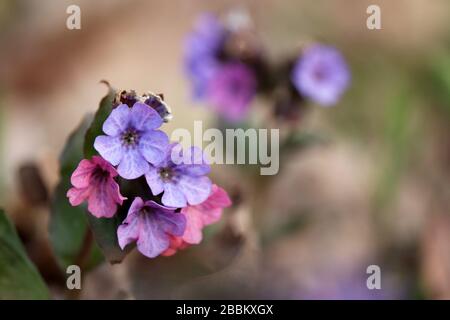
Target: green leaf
(95, 129)
(68, 225)
(19, 278)
(104, 229)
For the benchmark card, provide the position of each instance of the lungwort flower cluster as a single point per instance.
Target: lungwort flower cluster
(228, 68)
(179, 199)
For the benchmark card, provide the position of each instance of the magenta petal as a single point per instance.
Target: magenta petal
(144, 117)
(132, 165)
(194, 225)
(212, 208)
(114, 192)
(153, 146)
(154, 181)
(77, 196)
(195, 189)
(153, 240)
(100, 202)
(117, 121)
(173, 197)
(110, 148)
(219, 197)
(82, 174)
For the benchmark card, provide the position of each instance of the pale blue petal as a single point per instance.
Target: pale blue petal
(154, 180)
(144, 117)
(153, 146)
(132, 165)
(110, 148)
(117, 121)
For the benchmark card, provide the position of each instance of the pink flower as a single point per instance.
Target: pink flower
(93, 180)
(199, 216)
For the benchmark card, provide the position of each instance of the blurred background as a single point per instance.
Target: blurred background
(375, 190)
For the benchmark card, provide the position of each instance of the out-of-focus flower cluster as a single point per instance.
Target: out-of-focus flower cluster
(178, 199)
(228, 67)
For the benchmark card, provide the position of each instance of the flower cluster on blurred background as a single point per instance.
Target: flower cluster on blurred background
(168, 218)
(363, 183)
(228, 66)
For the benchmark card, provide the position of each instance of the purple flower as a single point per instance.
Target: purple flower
(151, 226)
(183, 180)
(202, 47)
(132, 141)
(321, 74)
(231, 90)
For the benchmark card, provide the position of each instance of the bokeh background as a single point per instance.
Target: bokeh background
(374, 190)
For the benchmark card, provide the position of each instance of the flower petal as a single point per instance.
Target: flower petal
(194, 225)
(128, 231)
(195, 189)
(105, 165)
(81, 176)
(194, 162)
(172, 222)
(110, 148)
(114, 191)
(77, 196)
(132, 165)
(100, 202)
(153, 146)
(213, 206)
(172, 196)
(117, 121)
(152, 238)
(176, 243)
(154, 180)
(144, 117)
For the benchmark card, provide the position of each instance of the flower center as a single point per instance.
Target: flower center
(130, 137)
(166, 173)
(100, 175)
(319, 74)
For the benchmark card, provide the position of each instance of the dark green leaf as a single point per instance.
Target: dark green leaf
(95, 129)
(68, 225)
(19, 278)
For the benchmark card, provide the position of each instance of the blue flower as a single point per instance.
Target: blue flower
(321, 74)
(182, 177)
(131, 141)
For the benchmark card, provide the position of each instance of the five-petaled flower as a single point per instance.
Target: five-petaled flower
(131, 140)
(93, 180)
(181, 176)
(321, 74)
(198, 217)
(150, 225)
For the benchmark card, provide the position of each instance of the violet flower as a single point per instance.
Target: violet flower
(231, 90)
(321, 74)
(93, 180)
(183, 182)
(202, 48)
(132, 141)
(150, 225)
